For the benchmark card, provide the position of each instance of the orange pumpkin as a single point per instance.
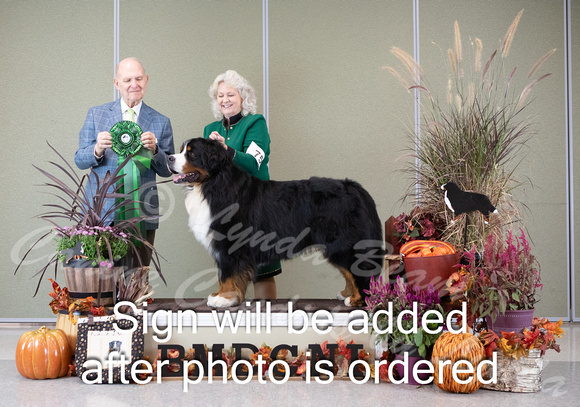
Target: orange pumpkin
(456, 347)
(43, 354)
(439, 251)
(427, 248)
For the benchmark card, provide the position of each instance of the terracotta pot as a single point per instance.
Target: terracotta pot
(511, 321)
(422, 271)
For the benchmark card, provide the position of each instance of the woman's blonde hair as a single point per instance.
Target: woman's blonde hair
(234, 80)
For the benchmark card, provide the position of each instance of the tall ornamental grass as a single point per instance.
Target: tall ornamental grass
(473, 137)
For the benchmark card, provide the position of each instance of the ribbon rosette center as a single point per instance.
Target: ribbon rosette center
(126, 138)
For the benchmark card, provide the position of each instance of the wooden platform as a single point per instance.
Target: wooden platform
(199, 305)
(190, 321)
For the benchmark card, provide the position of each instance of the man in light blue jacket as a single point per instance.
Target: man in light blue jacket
(95, 140)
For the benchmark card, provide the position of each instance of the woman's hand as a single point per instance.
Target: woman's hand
(216, 136)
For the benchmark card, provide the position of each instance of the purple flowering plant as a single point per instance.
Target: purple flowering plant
(505, 277)
(400, 296)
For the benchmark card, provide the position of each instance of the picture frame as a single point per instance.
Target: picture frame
(101, 348)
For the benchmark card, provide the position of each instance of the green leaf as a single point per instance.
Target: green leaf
(422, 350)
(419, 337)
(502, 304)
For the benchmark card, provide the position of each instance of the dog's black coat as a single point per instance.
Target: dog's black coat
(279, 219)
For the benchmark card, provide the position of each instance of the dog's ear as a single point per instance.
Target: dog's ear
(219, 156)
(214, 156)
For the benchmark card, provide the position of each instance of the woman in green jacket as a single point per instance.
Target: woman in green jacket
(244, 135)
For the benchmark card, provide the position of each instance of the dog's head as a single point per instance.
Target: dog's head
(199, 159)
(450, 186)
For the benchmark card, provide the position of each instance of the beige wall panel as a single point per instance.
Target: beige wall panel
(57, 61)
(540, 29)
(333, 111)
(184, 45)
(575, 35)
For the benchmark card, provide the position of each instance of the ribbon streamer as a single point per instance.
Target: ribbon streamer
(126, 137)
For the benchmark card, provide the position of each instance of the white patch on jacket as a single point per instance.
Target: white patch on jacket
(255, 151)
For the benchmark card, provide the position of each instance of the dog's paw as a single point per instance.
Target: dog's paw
(217, 301)
(353, 302)
(340, 297)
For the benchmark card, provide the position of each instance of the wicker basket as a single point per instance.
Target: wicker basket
(96, 282)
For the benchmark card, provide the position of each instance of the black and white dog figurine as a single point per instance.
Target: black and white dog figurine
(460, 202)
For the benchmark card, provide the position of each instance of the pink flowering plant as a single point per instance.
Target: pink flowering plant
(505, 277)
(95, 242)
(402, 297)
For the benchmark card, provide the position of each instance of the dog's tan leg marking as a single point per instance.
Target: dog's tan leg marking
(220, 287)
(348, 289)
(351, 292)
(231, 292)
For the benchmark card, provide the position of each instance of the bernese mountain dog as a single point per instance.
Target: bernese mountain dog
(460, 202)
(245, 222)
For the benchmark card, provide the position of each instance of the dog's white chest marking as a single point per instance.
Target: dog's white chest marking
(448, 203)
(199, 216)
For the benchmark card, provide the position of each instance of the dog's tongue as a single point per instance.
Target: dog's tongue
(186, 178)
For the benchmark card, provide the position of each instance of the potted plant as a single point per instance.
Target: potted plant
(429, 262)
(403, 338)
(520, 355)
(503, 279)
(137, 290)
(541, 336)
(419, 224)
(84, 234)
(403, 296)
(474, 136)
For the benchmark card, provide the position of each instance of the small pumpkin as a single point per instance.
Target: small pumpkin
(427, 248)
(43, 354)
(456, 347)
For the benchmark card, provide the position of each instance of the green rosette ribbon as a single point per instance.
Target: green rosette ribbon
(126, 138)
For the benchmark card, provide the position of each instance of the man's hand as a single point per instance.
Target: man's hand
(104, 141)
(149, 141)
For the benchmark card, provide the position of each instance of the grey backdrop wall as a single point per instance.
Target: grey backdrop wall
(332, 110)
